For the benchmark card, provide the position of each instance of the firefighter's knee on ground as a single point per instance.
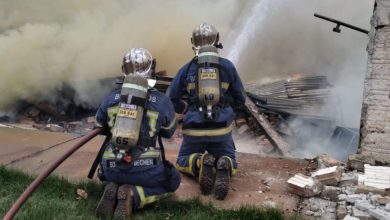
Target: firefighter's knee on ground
(193, 165)
(225, 162)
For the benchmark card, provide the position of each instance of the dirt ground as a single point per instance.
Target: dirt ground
(19, 150)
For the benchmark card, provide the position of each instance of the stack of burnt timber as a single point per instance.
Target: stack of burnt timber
(275, 106)
(307, 97)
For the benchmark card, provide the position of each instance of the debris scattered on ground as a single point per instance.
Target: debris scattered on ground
(329, 176)
(81, 194)
(345, 195)
(304, 186)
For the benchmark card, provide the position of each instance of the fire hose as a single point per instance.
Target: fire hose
(38, 180)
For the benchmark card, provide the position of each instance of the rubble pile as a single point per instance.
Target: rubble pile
(334, 191)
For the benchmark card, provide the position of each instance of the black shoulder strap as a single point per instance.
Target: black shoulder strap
(189, 64)
(161, 148)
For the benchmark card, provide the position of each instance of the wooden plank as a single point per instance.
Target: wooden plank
(274, 138)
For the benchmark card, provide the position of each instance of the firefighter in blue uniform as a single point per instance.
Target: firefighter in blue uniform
(136, 173)
(215, 97)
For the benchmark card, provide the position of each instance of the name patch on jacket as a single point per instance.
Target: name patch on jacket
(145, 162)
(137, 163)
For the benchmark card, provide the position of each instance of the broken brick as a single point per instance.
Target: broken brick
(304, 186)
(379, 214)
(329, 176)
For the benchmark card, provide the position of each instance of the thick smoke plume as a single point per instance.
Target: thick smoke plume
(44, 44)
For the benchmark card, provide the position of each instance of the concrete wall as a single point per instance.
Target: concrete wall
(375, 129)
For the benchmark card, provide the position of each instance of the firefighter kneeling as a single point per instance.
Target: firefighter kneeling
(215, 96)
(135, 170)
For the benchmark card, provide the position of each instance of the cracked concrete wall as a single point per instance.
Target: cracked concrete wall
(375, 127)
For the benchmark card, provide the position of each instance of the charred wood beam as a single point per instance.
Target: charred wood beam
(274, 138)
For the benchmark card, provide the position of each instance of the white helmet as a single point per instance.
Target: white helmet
(137, 61)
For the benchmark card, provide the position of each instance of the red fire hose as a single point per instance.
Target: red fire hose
(34, 185)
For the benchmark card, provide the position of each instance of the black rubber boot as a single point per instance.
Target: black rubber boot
(222, 179)
(124, 207)
(206, 173)
(106, 206)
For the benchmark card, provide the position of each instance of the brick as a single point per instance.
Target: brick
(382, 200)
(342, 197)
(380, 84)
(364, 205)
(348, 217)
(379, 214)
(328, 161)
(341, 211)
(387, 207)
(304, 186)
(357, 161)
(349, 179)
(354, 197)
(377, 176)
(329, 176)
(366, 189)
(362, 215)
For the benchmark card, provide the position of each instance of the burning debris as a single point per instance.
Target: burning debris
(279, 112)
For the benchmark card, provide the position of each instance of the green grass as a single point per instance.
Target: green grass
(56, 198)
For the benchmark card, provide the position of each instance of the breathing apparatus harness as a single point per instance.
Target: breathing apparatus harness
(128, 145)
(207, 96)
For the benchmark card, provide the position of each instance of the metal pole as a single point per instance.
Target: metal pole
(342, 23)
(34, 185)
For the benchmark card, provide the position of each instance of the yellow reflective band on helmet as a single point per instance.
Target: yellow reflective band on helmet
(208, 54)
(153, 116)
(188, 169)
(170, 125)
(208, 133)
(145, 200)
(135, 86)
(225, 85)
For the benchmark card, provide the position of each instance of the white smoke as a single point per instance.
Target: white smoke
(276, 38)
(44, 44)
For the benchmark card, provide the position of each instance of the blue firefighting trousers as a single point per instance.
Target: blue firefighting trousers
(148, 177)
(193, 147)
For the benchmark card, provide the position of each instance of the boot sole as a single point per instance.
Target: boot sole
(222, 183)
(222, 180)
(106, 206)
(125, 202)
(206, 175)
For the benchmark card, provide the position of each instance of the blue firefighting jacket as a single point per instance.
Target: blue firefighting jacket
(159, 116)
(233, 93)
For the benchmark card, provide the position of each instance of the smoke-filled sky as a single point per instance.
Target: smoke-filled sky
(45, 43)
